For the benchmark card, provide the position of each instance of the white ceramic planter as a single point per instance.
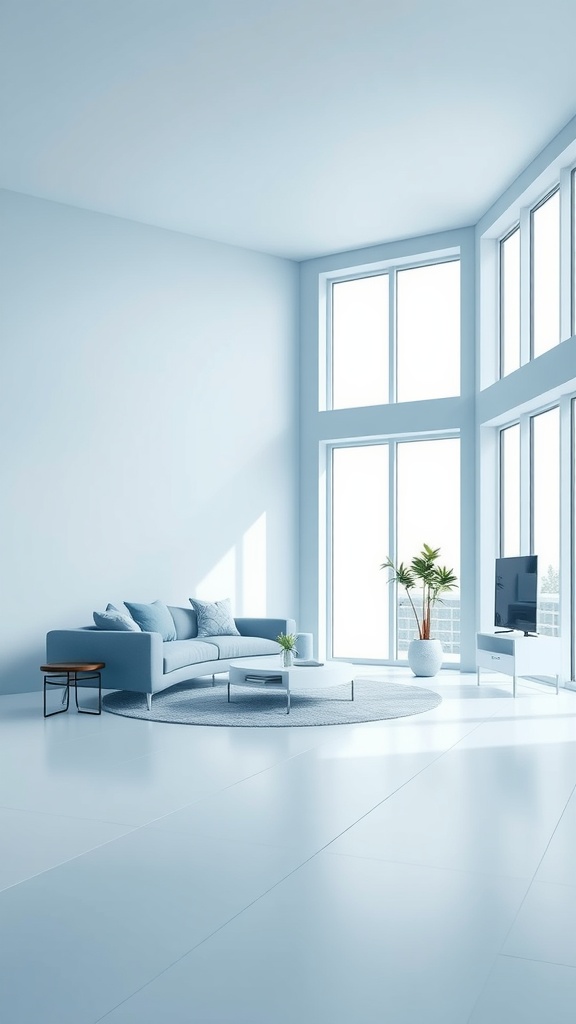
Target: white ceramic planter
(425, 657)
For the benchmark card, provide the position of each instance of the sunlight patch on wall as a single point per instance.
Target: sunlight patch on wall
(253, 575)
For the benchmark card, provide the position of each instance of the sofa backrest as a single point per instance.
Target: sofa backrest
(186, 622)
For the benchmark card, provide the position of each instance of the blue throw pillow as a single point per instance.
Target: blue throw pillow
(114, 619)
(214, 617)
(153, 618)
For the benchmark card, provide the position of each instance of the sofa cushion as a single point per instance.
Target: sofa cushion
(153, 618)
(243, 646)
(117, 620)
(214, 617)
(186, 622)
(180, 653)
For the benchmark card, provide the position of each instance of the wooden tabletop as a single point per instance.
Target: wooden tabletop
(73, 666)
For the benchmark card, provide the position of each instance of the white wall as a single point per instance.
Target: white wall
(148, 424)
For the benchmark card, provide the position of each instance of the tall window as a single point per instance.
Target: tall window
(545, 526)
(428, 332)
(510, 491)
(360, 350)
(546, 274)
(370, 521)
(360, 504)
(424, 467)
(425, 349)
(573, 247)
(573, 539)
(510, 303)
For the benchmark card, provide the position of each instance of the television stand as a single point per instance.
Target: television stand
(514, 656)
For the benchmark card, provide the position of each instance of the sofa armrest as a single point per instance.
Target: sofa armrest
(267, 628)
(133, 660)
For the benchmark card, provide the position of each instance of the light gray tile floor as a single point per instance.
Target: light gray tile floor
(417, 871)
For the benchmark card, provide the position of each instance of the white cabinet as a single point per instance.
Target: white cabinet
(517, 655)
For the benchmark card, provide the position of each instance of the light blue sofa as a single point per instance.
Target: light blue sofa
(145, 663)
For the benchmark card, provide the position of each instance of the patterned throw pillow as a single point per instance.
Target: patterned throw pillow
(214, 617)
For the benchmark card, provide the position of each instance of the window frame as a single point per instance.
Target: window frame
(501, 242)
(392, 441)
(534, 209)
(392, 270)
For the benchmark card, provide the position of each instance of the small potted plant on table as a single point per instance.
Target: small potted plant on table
(423, 572)
(287, 642)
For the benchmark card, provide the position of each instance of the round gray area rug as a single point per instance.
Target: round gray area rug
(187, 704)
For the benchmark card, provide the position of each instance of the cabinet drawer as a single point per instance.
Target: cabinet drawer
(497, 662)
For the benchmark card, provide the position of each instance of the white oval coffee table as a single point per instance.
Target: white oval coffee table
(289, 680)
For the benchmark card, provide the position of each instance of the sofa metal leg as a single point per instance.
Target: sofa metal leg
(149, 701)
(213, 680)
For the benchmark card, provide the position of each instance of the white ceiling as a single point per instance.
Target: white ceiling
(295, 127)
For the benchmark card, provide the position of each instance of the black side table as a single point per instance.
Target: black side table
(73, 673)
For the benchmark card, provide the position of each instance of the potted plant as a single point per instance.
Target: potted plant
(423, 573)
(287, 642)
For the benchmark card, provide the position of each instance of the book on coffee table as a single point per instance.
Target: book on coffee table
(308, 663)
(263, 679)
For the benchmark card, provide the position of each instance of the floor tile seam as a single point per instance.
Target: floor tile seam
(407, 782)
(429, 867)
(538, 960)
(68, 817)
(62, 863)
(207, 938)
(208, 837)
(483, 987)
(222, 789)
(257, 899)
(533, 878)
(132, 828)
(552, 884)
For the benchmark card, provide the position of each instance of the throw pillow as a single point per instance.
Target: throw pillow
(214, 617)
(153, 618)
(114, 619)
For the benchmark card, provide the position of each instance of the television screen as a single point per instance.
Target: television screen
(516, 593)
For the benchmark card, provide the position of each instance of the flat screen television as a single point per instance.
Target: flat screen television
(516, 593)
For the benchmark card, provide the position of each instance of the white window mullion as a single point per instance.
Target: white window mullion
(329, 551)
(392, 547)
(325, 398)
(572, 547)
(525, 287)
(525, 486)
(565, 254)
(566, 590)
(392, 353)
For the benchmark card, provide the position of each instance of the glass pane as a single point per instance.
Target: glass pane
(428, 474)
(359, 542)
(574, 252)
(573, 538)
(428, 332)
(360, 342)
(546, 516)
(510, 491)
(510, 303)
(546, 275)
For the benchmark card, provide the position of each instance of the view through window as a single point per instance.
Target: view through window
(425, 349)
(545, 528)
(366, 516)
(510, 491)
(510, 303)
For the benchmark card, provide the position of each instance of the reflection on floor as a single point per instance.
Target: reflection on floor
(416, 871)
